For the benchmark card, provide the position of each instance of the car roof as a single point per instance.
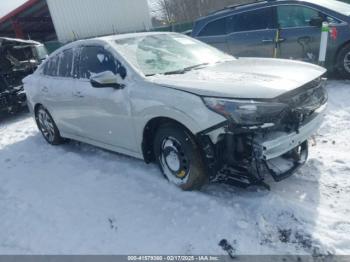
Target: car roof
(105, 39)
(337, 6)
(334, 5)
(129, 35)
(111, 38)
(18, 41)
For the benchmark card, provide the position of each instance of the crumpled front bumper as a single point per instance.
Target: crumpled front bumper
(245, 155)
(12, 101)
(277, 144)
(245, 158)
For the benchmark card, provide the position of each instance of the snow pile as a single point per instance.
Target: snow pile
(77, 199)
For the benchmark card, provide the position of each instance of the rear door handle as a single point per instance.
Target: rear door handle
(44, 89)
(272, 41)
(267, 40)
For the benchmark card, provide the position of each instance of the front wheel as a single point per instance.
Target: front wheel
(179, 157)
(47, 126)
(343, 62)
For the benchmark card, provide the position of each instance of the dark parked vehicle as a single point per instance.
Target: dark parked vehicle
(18, 59)
(292, 27)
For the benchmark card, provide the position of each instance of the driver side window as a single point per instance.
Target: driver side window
(94, 60)
(290, 16)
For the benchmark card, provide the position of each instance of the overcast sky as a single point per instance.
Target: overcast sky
(7, 6)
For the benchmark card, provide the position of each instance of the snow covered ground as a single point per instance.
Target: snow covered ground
(77, 199)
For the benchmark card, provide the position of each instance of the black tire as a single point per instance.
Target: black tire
(52, 136)
(343, 62)
(175, 144)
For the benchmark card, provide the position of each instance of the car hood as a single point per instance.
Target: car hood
(253, 78)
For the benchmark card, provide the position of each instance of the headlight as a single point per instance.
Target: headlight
(247, 112)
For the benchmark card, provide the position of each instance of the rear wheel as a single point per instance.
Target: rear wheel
(343, 62)
(47, 126)
(179, 158)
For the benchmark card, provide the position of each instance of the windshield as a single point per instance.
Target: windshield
(166, 53)
(41, 51)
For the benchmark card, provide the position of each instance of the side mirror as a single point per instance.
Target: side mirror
(316, 21)
(105, 79)
(122, 72)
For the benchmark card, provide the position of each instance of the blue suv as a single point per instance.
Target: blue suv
(289, 28)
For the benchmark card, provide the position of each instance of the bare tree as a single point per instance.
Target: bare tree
(178, 11)
(161, 9)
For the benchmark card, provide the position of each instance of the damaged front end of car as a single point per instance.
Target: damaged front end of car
(262, 137)
(18, 59)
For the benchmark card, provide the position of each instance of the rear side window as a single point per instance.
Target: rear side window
(217, 27)
(252, 20)
(94, 60)
(51, 66)
(332, 20)
(66, 64)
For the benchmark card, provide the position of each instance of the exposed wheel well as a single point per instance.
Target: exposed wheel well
(149, 134)
(339, 50)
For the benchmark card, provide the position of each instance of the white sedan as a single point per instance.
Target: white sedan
(201, 114)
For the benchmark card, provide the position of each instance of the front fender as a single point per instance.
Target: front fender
(186, 108)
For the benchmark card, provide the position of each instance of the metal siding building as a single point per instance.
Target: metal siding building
(78, 19)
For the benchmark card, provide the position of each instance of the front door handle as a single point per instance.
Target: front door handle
(78, 94)
(280, 40)
(267, 40)
(44, 89)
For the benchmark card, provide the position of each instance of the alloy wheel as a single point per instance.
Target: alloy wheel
(347, 62)
(46, 125)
